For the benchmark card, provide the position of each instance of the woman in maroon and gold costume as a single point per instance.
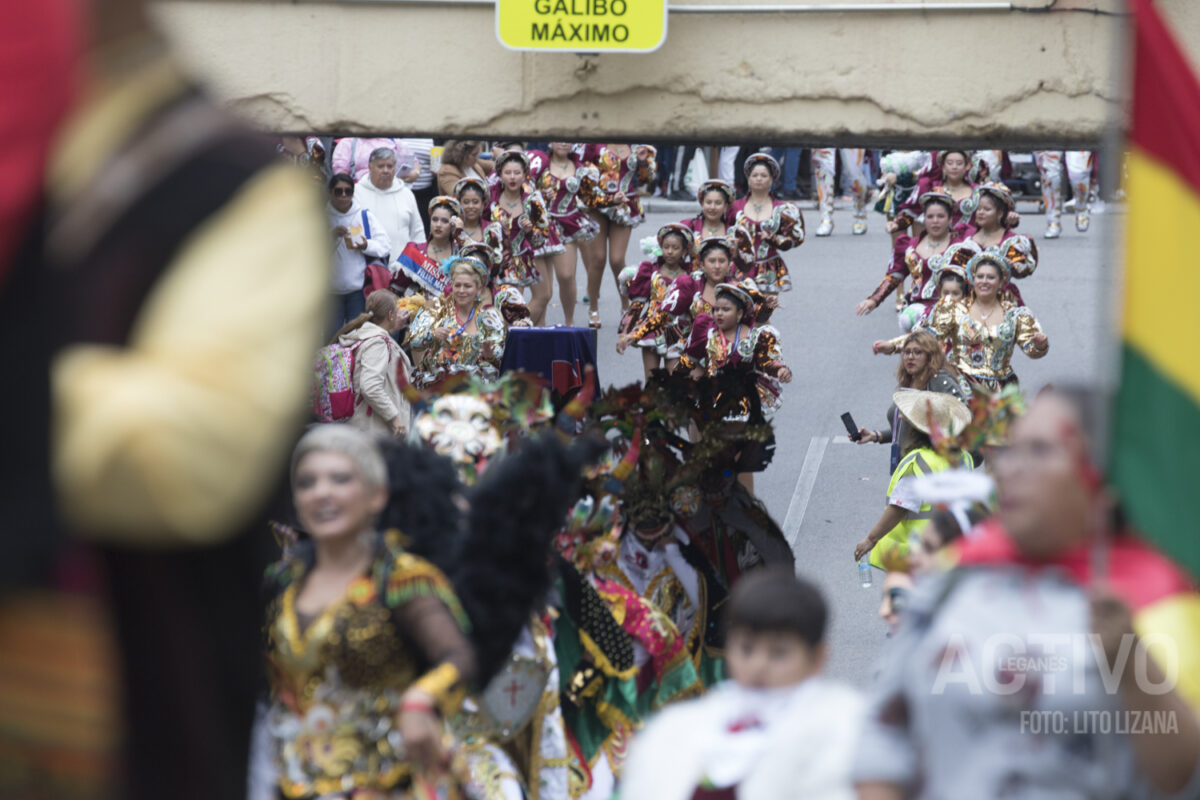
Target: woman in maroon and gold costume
(774, 225)
(616, 208)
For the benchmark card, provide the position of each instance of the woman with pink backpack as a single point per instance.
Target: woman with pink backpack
(375, 362)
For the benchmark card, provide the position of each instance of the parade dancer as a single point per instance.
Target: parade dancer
(653, 556)
(985, 166)
(476, 237)
(506, 299)
(445, 222)
(716, 199)
(951, 179)
(443, 211)
(774, 225)
(647, 288)
(919, 257)
(616, 208)
(902, 171)
(854, 178)
(986, 230)
(688, 529)
(560, 180)
(527, 733)
(522, 224)
(695, 293)
(461, 335)
(1080, 164)
(366, 642)
(1082, 169)
(459, 507)
(728, 338)
(983, 330)
(474, 197)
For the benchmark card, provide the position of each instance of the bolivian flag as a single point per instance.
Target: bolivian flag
(1156, 438)
(1155, 454)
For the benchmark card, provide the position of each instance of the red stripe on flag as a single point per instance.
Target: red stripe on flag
(1166, 96)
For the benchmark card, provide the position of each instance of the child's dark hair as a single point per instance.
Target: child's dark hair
(952, 277)
(773, 600)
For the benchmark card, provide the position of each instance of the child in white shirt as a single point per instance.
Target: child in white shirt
(776, 730)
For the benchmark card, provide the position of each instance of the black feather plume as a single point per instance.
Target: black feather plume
(422, 487)
(517, 506)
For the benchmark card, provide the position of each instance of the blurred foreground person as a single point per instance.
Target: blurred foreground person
(165, 402)
(941, 537)
(897, 587)
(777, 729)
(367, 642)
(1021, 673)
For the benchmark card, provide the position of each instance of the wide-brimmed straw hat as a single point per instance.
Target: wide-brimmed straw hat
(924, 410)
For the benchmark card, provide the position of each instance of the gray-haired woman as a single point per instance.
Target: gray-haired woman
(365, 642)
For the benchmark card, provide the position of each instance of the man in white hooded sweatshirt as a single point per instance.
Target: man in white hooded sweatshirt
(358, 237)
(393, 202)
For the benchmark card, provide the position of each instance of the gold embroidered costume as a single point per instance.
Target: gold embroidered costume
(981, 353)
(337, 679)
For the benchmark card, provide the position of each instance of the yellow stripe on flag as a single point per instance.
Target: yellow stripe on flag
(1171, 629)
(1162, 319)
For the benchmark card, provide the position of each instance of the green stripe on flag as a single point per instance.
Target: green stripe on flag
(1156, 458)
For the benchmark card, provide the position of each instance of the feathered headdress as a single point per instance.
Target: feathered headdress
(472, 420)
(654, 473)
(991, 415)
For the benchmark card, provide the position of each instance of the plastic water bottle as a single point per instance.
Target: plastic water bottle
(864, 571)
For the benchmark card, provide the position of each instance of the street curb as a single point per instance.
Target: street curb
(690, 208)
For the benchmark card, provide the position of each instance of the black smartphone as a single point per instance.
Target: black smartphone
(851, 428)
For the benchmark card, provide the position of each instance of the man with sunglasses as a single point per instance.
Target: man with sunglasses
(358, 239)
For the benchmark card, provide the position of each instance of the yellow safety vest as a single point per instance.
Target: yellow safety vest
(917, 463)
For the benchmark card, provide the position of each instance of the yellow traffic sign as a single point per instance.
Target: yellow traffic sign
(582, 26)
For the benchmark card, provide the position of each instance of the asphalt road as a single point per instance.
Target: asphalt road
(825, 491)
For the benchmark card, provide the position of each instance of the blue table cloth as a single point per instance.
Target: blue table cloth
(558, 354)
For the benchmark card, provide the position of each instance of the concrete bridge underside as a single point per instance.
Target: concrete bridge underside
(1022, 74)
